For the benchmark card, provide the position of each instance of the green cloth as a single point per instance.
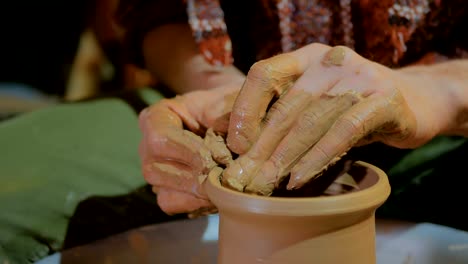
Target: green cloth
(54, 158)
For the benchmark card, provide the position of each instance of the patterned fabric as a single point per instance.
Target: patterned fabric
(209, 29)
(405, 16)
(394, 33)
(391, 25)
(303, 22)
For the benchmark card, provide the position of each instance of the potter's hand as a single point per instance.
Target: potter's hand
(175, 160)
(329, 99)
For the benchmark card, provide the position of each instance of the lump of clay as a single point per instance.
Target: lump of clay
(218, 148)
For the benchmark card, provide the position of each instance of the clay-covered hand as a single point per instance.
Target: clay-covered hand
(327, 101)
(175, 158)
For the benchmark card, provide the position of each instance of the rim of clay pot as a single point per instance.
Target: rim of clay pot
(371, 197)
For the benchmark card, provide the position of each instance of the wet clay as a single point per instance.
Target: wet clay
(217, 146)
(333, 180)
(334, 57)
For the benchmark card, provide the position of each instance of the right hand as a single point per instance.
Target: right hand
(174, 158)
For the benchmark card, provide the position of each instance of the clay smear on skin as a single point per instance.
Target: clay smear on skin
(221, 154)
(218, 148)
(281, 72)
(326, 110)
(334, 57)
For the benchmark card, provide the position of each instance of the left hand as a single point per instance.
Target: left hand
(328, 100)
(175, 158)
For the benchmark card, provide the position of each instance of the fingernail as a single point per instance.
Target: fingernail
(298, 179)
(293, 184)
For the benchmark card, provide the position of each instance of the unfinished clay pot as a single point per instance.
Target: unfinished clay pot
(325, 229)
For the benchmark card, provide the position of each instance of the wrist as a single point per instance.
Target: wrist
(197, 74)
(440, 98)
(211, 78)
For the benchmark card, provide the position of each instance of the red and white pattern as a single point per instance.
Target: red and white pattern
(206, 18)
(302, 22)
(405, 16)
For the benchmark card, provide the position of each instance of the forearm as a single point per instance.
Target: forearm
(449, 80)
(172, 56)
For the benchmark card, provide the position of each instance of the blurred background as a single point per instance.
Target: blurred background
(61, 51)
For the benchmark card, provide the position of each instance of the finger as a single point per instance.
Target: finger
(371, 76)
(169, 112)
(308, 129)
(220, 112)
(362, 119)
(181, 146)
(173, 202)
(165, 139)
(266, 79)
(221, 124)
(316, 80)
(274, 76)
(177, 106)
(279, 119)
(173, 176)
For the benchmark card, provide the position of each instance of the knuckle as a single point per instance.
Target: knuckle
(163, 103)
(308, 121)
(248, 131)
(265, 70)
(278, 112)
(260, 70)
(303, 142)
(322, 152)
(143, 118)
(316, 46)
(157, 136)
(351, 125)
(346, 49)
(273, 75)
(372, 73)
(279, 161)
(149, 175)
(277, 158)
(156, 143)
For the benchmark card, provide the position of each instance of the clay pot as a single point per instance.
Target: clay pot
(325, 229)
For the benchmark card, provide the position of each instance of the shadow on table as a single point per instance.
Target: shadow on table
(133, 229)
(99, 217)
